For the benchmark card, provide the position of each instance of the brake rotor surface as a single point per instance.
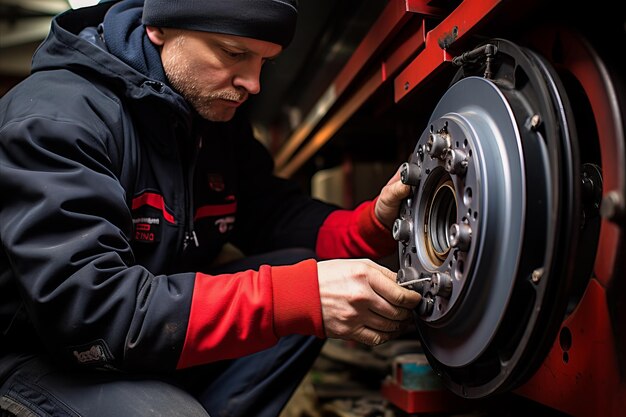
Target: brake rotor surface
(485, 198)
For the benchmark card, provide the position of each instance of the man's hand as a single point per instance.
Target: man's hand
(361, 301)
(388, 203)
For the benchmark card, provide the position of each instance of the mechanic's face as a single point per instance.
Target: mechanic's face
(215, 73)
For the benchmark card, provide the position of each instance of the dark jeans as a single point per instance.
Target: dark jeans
(258, 385)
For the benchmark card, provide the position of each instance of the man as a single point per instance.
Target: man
(124, 170)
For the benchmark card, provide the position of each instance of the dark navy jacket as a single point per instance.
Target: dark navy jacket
(114, 196)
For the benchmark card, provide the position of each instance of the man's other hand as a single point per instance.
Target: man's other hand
(389, 200)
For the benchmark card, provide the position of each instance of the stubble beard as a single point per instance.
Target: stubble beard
(183, 79)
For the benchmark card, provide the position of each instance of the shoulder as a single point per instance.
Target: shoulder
(61, 113)
(63, 97)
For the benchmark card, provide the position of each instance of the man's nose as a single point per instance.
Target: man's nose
(249, 78)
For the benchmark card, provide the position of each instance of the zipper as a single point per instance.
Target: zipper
(190, 236)
(190, 233)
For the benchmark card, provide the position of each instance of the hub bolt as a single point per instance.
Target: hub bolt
(402, 230)
(407, 274)
(437, 144)
(410, 174)
(456, 161)
(460, 236)
(441, 284)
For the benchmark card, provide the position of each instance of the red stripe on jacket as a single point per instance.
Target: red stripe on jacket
(233, 315)
(354, 234)
(153, 200)
(215, 210)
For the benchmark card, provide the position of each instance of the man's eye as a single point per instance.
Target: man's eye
(233, 54)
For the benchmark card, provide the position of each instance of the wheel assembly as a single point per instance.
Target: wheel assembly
(501, 208)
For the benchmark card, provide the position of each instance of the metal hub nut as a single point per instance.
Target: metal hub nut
(410, 174)
(456, 161)
(441, 285)
(402, 230)
(437, 144)
(460, 236)
(407, 274)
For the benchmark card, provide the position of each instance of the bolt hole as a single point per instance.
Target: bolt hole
(565, 357)
(565, 339)
(467, 196)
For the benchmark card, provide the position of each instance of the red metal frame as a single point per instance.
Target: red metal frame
(582, 379)
(453, 29)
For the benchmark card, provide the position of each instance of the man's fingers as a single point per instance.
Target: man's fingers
(389, 200)
(395, 189)
(395, 301)
(384, 324)
(389, 311)
(394, 293)
(399, 190)
(372, 337)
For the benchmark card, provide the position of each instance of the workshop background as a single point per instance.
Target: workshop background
(344, 107)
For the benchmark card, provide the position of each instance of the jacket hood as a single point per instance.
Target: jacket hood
(125, 37)
(125, 59)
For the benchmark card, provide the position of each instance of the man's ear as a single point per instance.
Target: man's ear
(156, 35)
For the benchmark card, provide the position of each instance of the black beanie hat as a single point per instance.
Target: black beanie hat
(268, 20)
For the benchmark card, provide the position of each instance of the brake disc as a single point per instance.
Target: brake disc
(492, 220)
